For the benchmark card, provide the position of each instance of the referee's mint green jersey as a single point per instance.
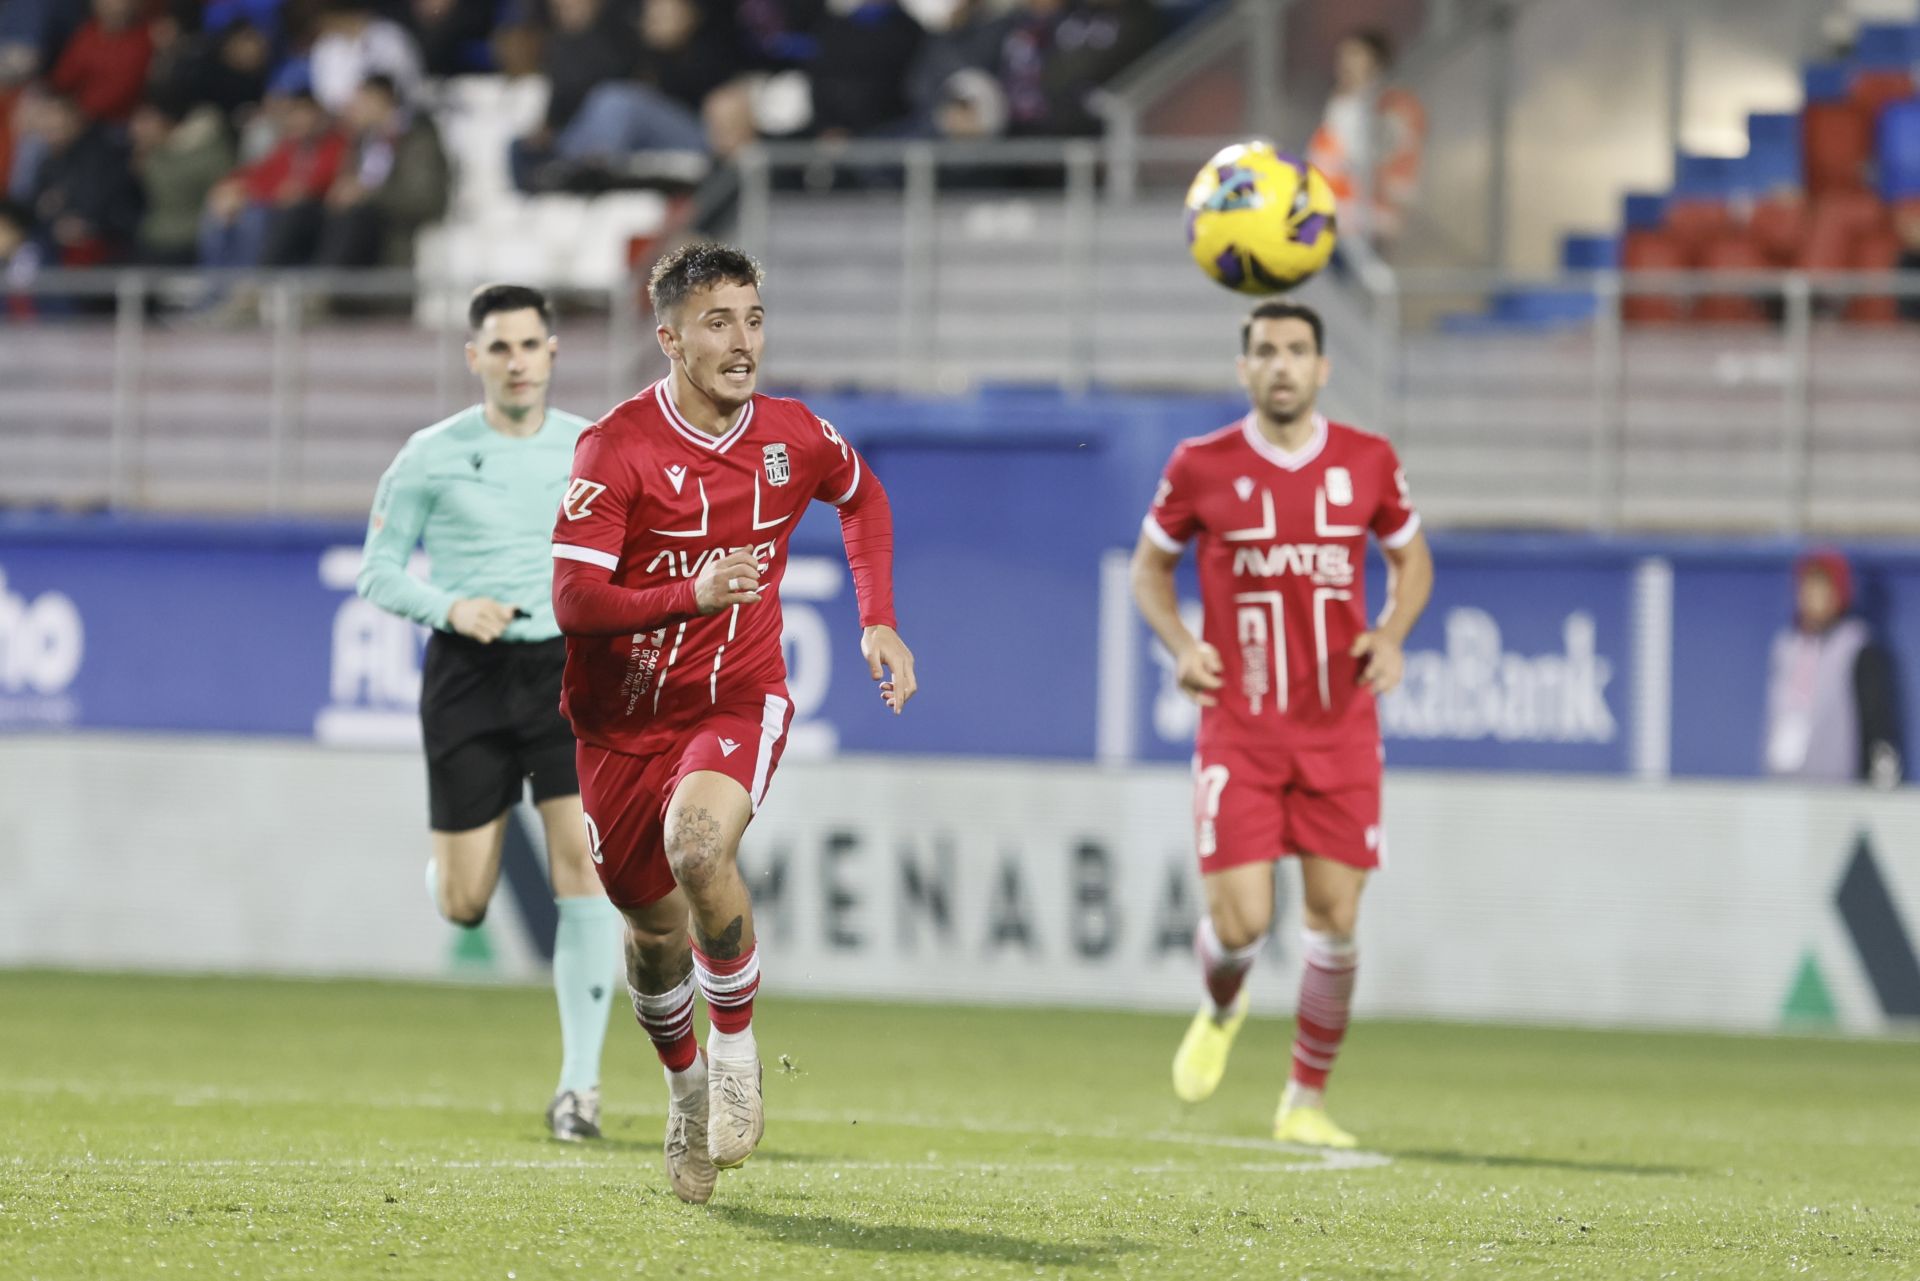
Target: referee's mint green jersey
(483, 505)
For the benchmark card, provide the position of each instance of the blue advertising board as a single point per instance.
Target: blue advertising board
(1539, 652)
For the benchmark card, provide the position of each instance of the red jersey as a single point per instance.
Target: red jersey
(653, 499)
(1282, 553)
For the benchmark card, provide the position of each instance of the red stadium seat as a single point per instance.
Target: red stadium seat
(1780, 225)
(1875, 251)
(1653, 251)
(1733, 253)
(1839, 220)
(1873, 90)
(1694, 224)
(1836, 139)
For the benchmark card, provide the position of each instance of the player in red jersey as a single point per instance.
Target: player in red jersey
(1288, 760)
(669, 550)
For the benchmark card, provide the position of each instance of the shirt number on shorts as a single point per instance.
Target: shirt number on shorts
(593, 837)
(1212, 782)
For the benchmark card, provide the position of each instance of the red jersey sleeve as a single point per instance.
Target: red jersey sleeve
(841, 470)
(1174, 518)
(1394, 522)
(592, 524)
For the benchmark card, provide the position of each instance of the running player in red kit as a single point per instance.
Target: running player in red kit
(669, 551)
(1288, 760)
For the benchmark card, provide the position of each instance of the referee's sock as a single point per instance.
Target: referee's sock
(586, 955)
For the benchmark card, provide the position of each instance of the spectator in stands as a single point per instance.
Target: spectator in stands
(1055, 54)
(20, 255)
(653, 104)
(1369, 142)
(265, 213)
(951, 89)
(104, 67)
(179, 154)
(354, 42)
(32, 33)
(395, 180)
(85, 202)
(857, 71)
(453, 35)
(1832, 703)
(224, 68)
(775, 34)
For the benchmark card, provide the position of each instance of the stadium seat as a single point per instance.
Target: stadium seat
(1836, 140)
(1779, 226)
(1825, 82)
(1838, 221)
(1872, 90)
(1874, 251)
(1653, 251)
(1643, 211)
(1693, 223)
(1886, 46)
(1899, 150)
(1589, 253)
(1773, 151)
(1728, 254)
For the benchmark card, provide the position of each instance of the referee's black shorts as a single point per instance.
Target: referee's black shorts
(490, 719)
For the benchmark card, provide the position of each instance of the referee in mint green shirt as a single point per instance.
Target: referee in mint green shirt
(479, 491)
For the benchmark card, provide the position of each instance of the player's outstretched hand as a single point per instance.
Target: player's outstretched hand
(733, 579)
(1381, 661)
(1198, 672)
(480, 617)
(891, 663)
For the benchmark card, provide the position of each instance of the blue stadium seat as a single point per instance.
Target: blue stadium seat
(1773, 150)
(1826, 82)
(1899, 150)
(1705, 177)
(1886, 46)
(1643, 211)
(1589, 253)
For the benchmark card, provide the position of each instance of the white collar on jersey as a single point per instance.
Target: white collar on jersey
(1280, 457)
(718, 444)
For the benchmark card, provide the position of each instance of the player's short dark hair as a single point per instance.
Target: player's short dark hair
(488, 299)
(698, 265)
(1279, 309)
(1378, 43)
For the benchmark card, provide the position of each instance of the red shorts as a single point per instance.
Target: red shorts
(626, 795)
(1254, 805)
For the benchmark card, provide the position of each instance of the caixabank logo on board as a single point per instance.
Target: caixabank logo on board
(42, 645)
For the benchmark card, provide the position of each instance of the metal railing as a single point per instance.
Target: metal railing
(891, 272)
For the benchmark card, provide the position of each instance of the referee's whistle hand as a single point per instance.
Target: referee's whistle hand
(733, 579)
(480, 617)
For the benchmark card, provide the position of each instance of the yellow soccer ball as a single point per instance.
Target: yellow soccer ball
(1258, 220)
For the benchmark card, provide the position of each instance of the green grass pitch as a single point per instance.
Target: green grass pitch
(260, 1129)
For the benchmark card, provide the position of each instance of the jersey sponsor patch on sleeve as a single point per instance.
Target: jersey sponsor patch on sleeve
(578, 504)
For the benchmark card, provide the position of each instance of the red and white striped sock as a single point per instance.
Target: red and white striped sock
(667, 1018)
(729, 986)
(1326, 995)
(1225, 969)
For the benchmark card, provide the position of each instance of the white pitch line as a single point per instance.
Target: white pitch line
(834, 1169)
(201, 1096)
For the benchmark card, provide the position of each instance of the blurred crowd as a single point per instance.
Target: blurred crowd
(247, 133)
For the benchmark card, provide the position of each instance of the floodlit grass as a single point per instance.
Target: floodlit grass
(250, 1128)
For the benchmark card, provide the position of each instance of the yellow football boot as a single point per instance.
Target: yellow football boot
(1310, 1127)
(1202, 1058)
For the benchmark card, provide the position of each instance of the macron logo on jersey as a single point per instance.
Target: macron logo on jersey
(728, 747)
(677, 476)
(580, 495)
